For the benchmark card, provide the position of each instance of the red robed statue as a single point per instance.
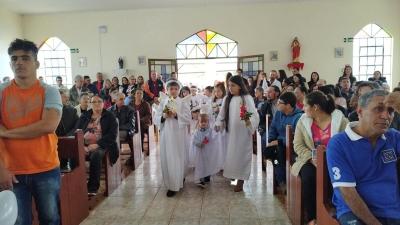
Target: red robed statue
(296, 55)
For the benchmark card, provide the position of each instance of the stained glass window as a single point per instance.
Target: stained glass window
(206, 44)
(372, 50)
(55, 60)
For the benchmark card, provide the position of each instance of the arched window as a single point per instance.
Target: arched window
(372, 50)
(206, 44)
(55, 60)
(205, 57)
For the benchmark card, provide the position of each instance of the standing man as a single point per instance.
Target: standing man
(30, 112)
(59, 81)
(273, 79)
(99, 82)
(76, 90)
(87, 84)
(153, 87)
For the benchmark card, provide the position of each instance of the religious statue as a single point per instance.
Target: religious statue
(296, 50)
(295, 46)
(121, 63)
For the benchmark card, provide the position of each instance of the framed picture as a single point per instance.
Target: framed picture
(82, 62)
(339, 52)
(273, 55)
(142, 60)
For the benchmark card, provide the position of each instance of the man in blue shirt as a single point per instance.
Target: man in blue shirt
(362, 164)
(287, 114)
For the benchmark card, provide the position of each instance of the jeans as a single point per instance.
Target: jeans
(267, 152)
(308, 175)
(44, 188)
(95, 158)
(351, 219)
(280, 168)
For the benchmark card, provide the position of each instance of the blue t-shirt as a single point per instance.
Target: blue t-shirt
(353, 162)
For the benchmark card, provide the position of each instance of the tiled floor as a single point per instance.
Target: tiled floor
(142, 200)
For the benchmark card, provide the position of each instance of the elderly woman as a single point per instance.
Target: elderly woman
(319, 123)
(144, 111)
(100, 129)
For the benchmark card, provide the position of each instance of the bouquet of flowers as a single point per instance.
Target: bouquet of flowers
(170, 106)
(205, 141)
(244, 114)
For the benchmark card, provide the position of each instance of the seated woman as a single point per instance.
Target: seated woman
(144, 111)
(378, 78)
(100, 130)
(319, 123)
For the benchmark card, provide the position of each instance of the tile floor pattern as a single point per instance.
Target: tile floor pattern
(141, 200)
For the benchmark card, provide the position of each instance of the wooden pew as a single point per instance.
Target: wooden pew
(325, 209)
(136, 153)
(269, 165)
(293, 184)
(74, 206)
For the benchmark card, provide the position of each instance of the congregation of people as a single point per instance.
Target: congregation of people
(210, 131)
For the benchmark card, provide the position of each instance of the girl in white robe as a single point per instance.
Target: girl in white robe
(172, 117)
(239, 132)
(220, 137)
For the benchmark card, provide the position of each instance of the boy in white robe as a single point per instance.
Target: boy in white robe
(172, 117)
(206, 162)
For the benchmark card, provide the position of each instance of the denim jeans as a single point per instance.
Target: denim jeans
(96, 158)
(351, 219)
(44, 188)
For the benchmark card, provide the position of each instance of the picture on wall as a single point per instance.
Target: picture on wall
(339, 52)
(273, 55)
(142, 60)
(82, 62)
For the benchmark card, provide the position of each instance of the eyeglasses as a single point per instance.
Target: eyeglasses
(281, 102)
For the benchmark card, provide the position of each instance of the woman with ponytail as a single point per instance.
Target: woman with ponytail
(316, 126)
(239, 117)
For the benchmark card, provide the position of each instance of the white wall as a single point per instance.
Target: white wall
(10, 28)
(258, 28)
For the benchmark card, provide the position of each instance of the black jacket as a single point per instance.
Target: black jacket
(68, 121)
(126, 118)
(109, 131)
(266, 109)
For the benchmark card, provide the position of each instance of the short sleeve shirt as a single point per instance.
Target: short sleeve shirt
(354, 162)
(22, 107)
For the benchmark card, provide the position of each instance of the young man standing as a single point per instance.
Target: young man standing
(29, 115)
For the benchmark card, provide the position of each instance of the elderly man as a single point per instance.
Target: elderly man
(69, 116)
(273, 79)
(153, 87)
(362, 164)
(76, 90)
(127, 122)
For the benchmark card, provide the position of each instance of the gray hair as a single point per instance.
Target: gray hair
(78, 77)
(63, 91)
(366, 98)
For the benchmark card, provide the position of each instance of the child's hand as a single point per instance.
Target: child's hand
(248, 123)
(217, 128)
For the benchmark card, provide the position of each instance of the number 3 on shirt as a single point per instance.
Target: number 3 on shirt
(336, 173)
